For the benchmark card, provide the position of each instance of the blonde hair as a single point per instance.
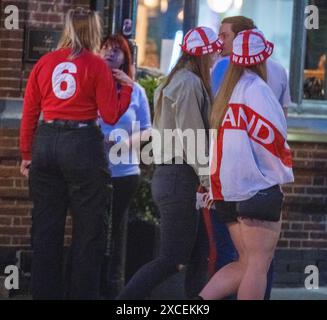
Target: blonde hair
(200, 65)
(233, 75)
(82, 30)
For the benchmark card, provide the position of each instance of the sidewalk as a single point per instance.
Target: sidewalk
(277, 294)
(298, 294)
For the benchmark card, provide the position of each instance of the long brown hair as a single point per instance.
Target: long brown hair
(233, 75)
(120, 41)
(82, 30)
(200, 65)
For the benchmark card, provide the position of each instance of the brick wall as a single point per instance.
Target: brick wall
(305, 210)
(41, 14)
(303, 239)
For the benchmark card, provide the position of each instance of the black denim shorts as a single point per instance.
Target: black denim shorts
(266, 205)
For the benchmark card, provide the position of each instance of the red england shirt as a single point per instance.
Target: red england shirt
(70, 89)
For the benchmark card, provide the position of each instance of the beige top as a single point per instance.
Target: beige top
(183, 100)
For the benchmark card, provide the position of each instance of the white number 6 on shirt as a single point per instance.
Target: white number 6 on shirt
(58, 77)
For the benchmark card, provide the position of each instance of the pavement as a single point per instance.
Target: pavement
(277, 294)
(299, 294)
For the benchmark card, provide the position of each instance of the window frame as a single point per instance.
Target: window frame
(300, 106)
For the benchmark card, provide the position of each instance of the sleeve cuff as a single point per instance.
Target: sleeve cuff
(127, 89)
(26, 156)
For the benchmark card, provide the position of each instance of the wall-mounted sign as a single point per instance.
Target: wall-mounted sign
(38, 42)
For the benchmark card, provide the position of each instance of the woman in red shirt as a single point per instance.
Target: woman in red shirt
(64, 156)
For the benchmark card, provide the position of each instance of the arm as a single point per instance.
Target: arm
(111, 104)
(188, 116)
(31, 114)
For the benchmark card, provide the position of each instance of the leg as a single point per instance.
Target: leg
(227, 280)
(173, 238)
(173, 188)
(83, 163)
(260, 239)
(197, 271)
(124, 189)
(49, 195)
(89, 204)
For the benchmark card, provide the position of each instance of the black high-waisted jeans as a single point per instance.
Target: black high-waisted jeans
(69, 170)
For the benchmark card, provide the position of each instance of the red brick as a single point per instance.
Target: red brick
(320, 155)
(6, 183)
(26, 221)
(9, 153)
(318, 181)
(12, 44)
(9, 163)
(302, 154)
(314, 226)
(9, 171)
(295, 244)
(318, 235)
(5, 221)
(10, 73)
(16, 221)
(314, 244)
(287, 189)
(8, 142)
(297, 226)
(14, 193)
(299, 190)
(5, 240)
(303, 180)
(283, 243)
(318, 218)
(11, 54)
(14, 230)
(6, 210)
(296, 235)
(9, 132)
(316, 190)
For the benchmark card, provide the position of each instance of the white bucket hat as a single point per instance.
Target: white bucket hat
(200, 41)
(250, 48)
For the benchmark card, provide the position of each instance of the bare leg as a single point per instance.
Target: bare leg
(227, 280)
(260, 239)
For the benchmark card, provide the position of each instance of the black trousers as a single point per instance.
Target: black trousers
(174, 192)
(124, 189)
(69, 170)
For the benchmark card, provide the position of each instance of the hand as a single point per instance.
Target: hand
(203, 199)
(122, 78)
(25, 167)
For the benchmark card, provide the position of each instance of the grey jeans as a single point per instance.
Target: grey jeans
(182, 241)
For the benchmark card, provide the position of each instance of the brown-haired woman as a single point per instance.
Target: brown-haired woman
(67, 166)
(182, 103)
